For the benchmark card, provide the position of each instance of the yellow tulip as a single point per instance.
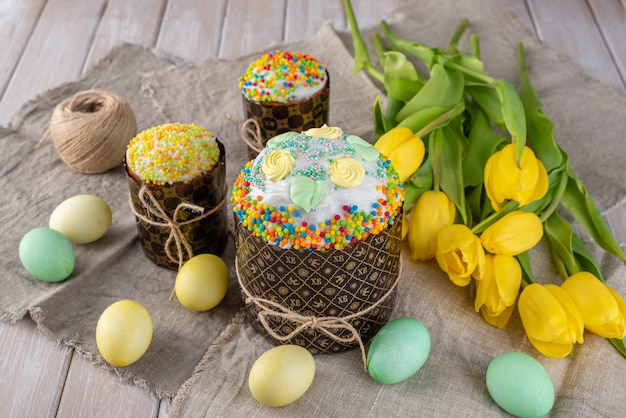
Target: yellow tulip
(432, 212)
(602, 308)
(505, 179)
(551, 320)
(513, 234)
(405, 150)
(460, 254)
(497, 291)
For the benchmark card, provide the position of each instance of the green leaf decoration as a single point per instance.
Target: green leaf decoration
(275, 142)
(306, 193)
(363, 148)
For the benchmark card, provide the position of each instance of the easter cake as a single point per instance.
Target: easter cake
(318, 227)
(285, 91)
(177, 178)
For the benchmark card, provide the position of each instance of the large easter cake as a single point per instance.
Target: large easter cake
(318, 225)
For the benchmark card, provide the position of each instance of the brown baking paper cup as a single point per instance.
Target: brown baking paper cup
(197, 209)
(275, 118)
(302, 297)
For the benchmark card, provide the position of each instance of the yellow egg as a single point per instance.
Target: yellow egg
(202, 282)
(281, 375)
(124, 332)
(82, 218)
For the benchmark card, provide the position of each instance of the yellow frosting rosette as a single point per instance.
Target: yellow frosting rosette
(346, 172)
(325, 131)
(277, 165)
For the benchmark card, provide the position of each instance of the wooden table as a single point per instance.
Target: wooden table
(45, 43)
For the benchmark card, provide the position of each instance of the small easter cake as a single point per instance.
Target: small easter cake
(177, 178)
(285, 91)
(318, 225)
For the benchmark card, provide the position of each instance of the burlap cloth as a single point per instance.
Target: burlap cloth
(202, 359)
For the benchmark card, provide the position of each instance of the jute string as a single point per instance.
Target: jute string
(251, 133)
(91, 130)
(151, 204)
(324, 324)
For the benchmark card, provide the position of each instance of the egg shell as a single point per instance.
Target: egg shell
(520, 385)
(82, 218)
(398, 350)
(47, 254)
(124, 332)
(281, 375)
(202, 282)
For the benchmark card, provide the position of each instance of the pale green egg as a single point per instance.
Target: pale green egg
(47, 254)
(398, 350)
(520, 385)
(281, 375)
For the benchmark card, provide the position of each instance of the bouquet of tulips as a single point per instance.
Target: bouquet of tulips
(478, 197)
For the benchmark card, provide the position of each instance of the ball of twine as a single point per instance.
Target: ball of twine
(91, 130)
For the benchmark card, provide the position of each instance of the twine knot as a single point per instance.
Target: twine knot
(160, 218)
(251, 134)
(91, 130)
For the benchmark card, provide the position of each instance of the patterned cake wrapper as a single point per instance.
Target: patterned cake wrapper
(333, 286)
(209, 234)
(275, 118)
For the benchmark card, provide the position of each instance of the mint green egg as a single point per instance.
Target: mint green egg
(520, 385)
(398, 350)
(47, 254)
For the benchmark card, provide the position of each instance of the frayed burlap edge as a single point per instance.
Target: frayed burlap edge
(225, 336)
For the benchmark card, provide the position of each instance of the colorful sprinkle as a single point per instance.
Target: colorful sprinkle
(172, 153)
(283, 76)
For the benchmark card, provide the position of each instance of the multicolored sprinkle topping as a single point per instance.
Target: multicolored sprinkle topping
(303, 207)
(172, 153)
(283, 76)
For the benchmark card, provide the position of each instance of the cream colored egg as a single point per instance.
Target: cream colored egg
(82, 218)
(281, 375)
(202, 282)
(124, 332)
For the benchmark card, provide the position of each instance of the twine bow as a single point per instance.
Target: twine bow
(251, 134)
(325, 324)
(151, 204)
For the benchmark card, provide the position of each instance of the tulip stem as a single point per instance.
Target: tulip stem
(485, 223)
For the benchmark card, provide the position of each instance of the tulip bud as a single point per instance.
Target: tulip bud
(551, 320)
(505, 179)
(430, 214)
(496, 291)
(405, 150)
(602, 308)
(460, 254)
(513, 234)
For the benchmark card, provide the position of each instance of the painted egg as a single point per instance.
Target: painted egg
(82, 218)
(124, 332)
(202, 282)
(398, 350)
(47, 254)
(281, 375)
(520, 385)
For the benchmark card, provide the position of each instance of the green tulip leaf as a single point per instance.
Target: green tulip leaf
(620, 345)
(527, 272)
(306, 193)
(584, 259)
(423, 176)
(424, 53)
(379, 118)
(443, 89)
(559, 233)
(400, 77)
(482, 143)
(450, 167)
(487, 99)
(540, 127)
(513, 114)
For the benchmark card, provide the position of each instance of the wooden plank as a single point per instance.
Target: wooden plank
(55, 52)
(611, 18)
(136, 21)
(252, 25)
(91, 392)
(33, 371)
(370, 13)
(520, 12)
(17, 20)
(569, 27)
(304, 18)
(191, 29)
